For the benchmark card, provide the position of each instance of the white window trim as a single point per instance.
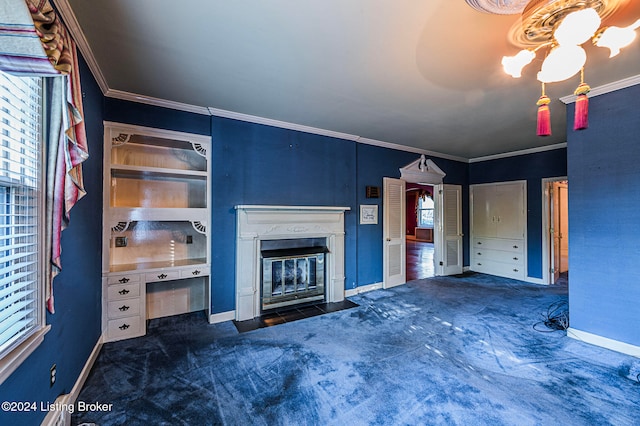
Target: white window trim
(13, 359)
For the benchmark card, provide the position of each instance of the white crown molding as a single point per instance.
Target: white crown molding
(149, 100)
(323, 132)
(517, 153)
(69, 18)
(411, 149)
(277, 123)
(606, 88)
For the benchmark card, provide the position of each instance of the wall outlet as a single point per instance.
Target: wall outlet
(52, 375)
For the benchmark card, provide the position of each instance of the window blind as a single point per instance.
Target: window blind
(20, 199)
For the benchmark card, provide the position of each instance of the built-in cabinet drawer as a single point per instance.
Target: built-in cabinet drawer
(514, 246)
(498, 256)
(162, 276)
(123, 308)
(123, 291)
(124, 328)
(196, 271)
(502, 269)
(123, 279)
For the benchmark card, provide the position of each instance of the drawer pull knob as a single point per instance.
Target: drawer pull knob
(196, 272)
(479, 264)
(162, 276)
(124, 280)
(124, 326)
(479, 242)
(515, 270)
(515, 247)
(515, 258)
(124, 308)
(479, 254)
(123, 291)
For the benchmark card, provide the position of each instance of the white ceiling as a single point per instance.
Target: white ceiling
(423, 74)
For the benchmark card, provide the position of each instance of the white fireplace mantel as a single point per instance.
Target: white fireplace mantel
(260, 222)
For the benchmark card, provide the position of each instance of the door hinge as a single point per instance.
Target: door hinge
(552, 271)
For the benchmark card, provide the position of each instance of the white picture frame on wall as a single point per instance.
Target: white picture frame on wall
(368, 214)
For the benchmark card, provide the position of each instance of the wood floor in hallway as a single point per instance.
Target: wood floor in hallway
(419, 260)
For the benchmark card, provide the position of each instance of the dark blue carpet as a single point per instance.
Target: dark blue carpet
(443, 351)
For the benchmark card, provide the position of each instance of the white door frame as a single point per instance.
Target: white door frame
(547, 241)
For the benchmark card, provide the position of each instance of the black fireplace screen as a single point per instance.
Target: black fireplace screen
(293, 271)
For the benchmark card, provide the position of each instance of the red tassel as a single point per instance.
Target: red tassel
(544, 116)
(581, 119)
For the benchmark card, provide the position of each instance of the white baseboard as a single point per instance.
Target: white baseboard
(604, 342)
(86, 370)
(59, 413)
(362, 289)
(222, 317)
(535, 280)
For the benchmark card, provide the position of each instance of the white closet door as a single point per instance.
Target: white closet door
(394, 218)
(483, 220)
(510, 205)
(452, 229)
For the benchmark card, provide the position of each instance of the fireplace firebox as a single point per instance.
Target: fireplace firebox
(293, 271)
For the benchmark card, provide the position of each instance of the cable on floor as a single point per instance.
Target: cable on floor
(556, 318)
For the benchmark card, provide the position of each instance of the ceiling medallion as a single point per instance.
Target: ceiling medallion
(499, 7)
(541, 17)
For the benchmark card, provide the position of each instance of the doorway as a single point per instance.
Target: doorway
(556, 230)
(447, 229)
(419, 233)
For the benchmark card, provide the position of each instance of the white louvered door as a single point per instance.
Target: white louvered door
(451, 214)
(394, 219)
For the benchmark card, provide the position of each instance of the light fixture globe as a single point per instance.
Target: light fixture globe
(577, 27)
(513, 65)
(615, 38)
(563, 61)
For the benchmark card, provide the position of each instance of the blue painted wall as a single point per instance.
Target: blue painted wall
(604, 218)
(532, 168)
(76, 325)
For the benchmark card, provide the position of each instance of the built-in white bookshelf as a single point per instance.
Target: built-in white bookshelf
(156, 250)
